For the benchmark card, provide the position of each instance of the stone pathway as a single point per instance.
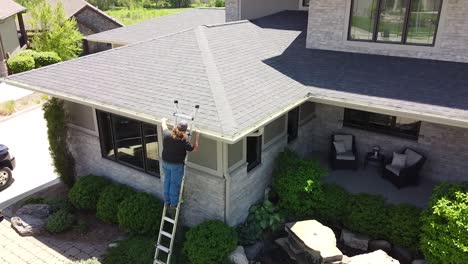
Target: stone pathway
(15, 249)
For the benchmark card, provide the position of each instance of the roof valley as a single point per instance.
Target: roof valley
(228, 123)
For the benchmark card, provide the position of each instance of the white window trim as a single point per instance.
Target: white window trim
(396, 47)
(242, 161)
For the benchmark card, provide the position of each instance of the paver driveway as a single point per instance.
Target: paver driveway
(15, 249)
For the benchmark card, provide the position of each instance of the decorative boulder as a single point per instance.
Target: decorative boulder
(238, 256)
(355, 240)
(30, 219)
(316, 240)
(380, 244)
(377, 257)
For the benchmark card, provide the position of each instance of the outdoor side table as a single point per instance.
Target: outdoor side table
(373, 160)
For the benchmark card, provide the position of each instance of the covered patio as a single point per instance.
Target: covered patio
(368, 180)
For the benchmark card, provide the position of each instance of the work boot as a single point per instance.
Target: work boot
(170, 211)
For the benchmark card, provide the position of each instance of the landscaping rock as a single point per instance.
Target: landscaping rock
(254, 250)
(317, 240)
(238, 256)
(356, 241)
(402, 254)
(380, 244)
(30, 219)
(376, 257)
(418, 261)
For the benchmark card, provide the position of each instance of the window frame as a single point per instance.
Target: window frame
(388, 130)
(259, 149)
(110, 123)
(404, 35)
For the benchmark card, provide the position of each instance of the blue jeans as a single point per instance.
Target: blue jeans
(173, 174)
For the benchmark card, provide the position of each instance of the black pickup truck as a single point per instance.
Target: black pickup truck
(7, 164)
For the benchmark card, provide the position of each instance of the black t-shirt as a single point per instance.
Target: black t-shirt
(174, 151)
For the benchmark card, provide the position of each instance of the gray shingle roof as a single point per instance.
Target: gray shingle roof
(9, 8)
(243, 73)
(161, 26)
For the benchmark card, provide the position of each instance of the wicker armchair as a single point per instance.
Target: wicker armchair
(405, 176)
(343, 160)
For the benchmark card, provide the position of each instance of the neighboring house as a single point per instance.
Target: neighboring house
(90, 19)
(10, 39)
(261, 90)
(158, 27)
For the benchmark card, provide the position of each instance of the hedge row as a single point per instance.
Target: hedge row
(29, 59)
(137, 213)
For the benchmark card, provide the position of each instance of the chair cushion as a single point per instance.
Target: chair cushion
(412, 157)
(348, 155)
(395, 170)
(399, 160)
(339, 146)
(347, 140)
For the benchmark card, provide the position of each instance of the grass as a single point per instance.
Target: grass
(7, 108)
(136, 15)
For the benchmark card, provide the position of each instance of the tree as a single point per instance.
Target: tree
(54, 32)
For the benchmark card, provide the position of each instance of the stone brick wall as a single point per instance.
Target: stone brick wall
(203, 196)
(232, 10)
(444, 146)
(328, 29)
(95, 21)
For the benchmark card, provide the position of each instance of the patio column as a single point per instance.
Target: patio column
(3, 66)
(24, 35)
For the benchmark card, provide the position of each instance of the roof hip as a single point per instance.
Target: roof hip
(227, 120)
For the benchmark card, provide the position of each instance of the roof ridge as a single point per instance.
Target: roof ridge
(225, 114)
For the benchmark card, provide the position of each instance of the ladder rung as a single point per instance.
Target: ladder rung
(164, 233)
(170, 220)
(184, 116)
(163, 248)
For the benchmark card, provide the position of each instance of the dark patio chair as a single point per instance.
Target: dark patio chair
(404, 176)
(348, 159)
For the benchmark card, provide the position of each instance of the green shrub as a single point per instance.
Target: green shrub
(57, 134)
(140, 213)
(46, 58)
(108, 203)
(368, 215)
(261, 217)
(298, 184)
(19, 64)
(444, 236)
(210, 243)
(86, 191)
(81, 227)
(59, 221)
(57, 204)
(134, 250)
(180, 3)
(335, 205)
(219, 3)
(404, 225)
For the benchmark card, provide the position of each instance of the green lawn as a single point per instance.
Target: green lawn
(137, 15)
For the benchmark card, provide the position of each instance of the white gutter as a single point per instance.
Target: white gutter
(227, 178)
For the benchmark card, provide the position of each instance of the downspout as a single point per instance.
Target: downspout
(227, 178)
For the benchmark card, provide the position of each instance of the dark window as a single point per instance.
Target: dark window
(129, 142)
(412, 22)
(305, 2)
(254, 152)
(293, 124)
(392, 125)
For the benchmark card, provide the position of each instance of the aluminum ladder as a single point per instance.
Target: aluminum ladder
(166, 236)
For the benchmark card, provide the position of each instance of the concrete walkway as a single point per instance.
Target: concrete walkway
(8, 92)
(26, 137)
(15, 249)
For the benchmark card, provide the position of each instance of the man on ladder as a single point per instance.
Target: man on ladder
(176, 143)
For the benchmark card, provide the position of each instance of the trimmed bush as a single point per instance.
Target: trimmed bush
(131, 251)
(59, 221)
(298, 184)
(335, 205)
(404, 225)
(19, 64)
(86, 191)
(140, 213)
(368, 215)
(210, 243)
(59, 204)
(108, 203)
(444, 237)
(46, 58)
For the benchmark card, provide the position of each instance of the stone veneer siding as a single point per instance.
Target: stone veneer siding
(444, 146)
(232, 8)
(328, 29)
(203, 196)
